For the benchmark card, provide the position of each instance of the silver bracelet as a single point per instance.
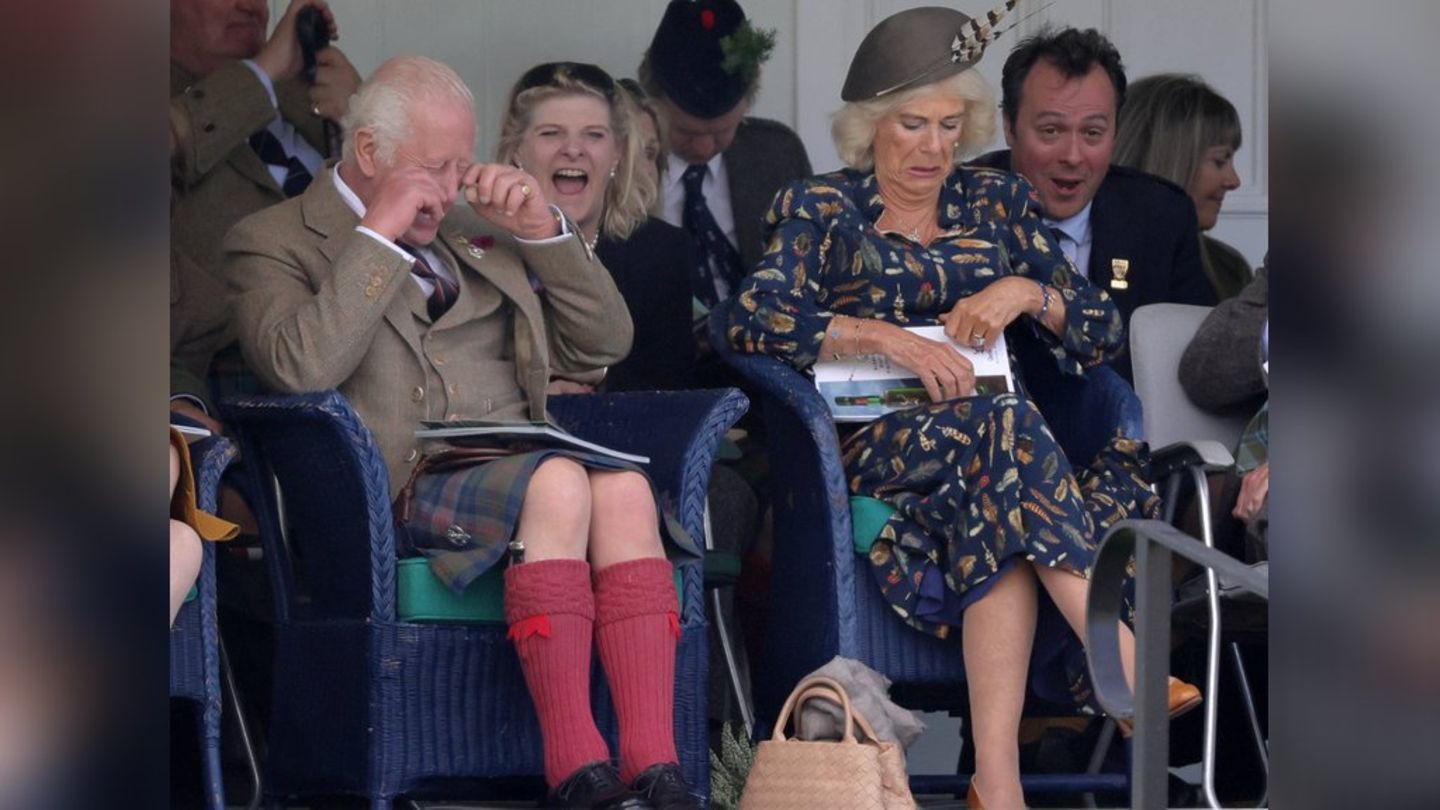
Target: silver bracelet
(1045, 302)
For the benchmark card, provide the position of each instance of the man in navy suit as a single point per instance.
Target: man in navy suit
(1132, 233)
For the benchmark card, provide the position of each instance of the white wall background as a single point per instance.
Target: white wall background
(491, 42)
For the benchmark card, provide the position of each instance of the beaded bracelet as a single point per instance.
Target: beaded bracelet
(835, 334)
(1045, 302)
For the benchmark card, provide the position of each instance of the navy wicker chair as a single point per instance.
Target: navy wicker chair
(195, 637)
(824, 601)
(367, 704)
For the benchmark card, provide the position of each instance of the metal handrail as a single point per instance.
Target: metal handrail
(1152, 543)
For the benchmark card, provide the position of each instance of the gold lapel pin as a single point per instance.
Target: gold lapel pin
(475, 251)
(1119, 268)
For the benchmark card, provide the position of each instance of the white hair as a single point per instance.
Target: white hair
(854, 126)
(382, 104)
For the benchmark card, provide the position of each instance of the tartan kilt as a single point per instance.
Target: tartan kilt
(462, 520)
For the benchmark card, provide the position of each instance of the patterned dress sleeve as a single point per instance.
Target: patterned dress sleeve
(778, 310)
(1093, 329)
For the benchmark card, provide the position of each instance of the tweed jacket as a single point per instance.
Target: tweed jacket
(1220, 369)
(1149, 224)
(764, 156)
(318, 304)
(199, 324)
(221, 179)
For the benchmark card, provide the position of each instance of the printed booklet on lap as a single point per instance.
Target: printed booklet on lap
(480, 433)
(863, 388)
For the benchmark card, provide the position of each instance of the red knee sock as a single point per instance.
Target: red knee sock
(551, 612)
(636, 628)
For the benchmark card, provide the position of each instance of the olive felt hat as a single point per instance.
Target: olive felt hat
(917, 47)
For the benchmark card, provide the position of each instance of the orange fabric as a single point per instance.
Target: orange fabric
(182, 501)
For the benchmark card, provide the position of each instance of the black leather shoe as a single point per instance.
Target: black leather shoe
(665, 788)
(596, 787)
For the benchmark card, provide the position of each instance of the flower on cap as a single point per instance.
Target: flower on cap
(707, 19)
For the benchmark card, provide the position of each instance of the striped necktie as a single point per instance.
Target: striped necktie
(443, 291)
(717, 257)
(268, 147)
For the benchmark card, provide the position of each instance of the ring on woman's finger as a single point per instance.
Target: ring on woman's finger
(525, 190)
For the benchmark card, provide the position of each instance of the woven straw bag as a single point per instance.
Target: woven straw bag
(848, 774)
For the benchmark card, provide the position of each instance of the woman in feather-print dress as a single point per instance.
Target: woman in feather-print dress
(988, 508)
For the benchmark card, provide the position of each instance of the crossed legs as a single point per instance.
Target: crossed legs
(998, 633)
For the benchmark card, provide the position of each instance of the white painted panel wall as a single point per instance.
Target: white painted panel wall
(491, 42)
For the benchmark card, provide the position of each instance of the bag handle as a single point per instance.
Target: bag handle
(820, 686)
(818, 691)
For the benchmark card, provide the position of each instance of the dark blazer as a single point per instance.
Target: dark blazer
(1150, 223)
(652, 271)
(764, 156)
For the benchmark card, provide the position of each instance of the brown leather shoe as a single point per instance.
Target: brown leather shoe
(1183, 697)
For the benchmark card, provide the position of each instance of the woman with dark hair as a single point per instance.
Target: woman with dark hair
(1177, 127)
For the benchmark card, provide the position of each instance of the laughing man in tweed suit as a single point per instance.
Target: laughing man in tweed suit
(365, 284)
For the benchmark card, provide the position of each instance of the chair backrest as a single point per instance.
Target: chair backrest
(336, 493)
(1159, 334)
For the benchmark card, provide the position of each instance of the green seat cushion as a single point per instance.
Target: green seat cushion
(422, 597)
(867, 518)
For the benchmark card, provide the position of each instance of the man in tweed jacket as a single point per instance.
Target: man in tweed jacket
(228, 84)
(366, 284)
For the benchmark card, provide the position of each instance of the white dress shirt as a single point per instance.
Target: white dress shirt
(437, 262)
(715, 187)
(290, 138)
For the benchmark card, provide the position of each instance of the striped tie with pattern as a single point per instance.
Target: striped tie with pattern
(717, 257)
(443, 291)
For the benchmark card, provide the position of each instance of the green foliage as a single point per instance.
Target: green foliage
(746, 50)
(729, 770)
